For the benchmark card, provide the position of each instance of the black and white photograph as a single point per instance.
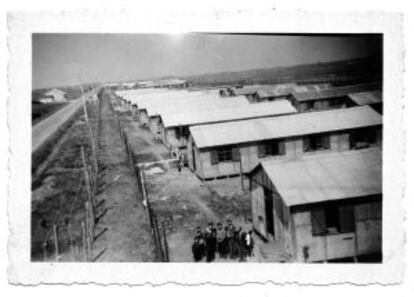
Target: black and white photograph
(169, 151)
(207, 148)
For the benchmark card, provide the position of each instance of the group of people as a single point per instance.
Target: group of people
(228, 241)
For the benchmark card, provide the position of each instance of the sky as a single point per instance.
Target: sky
(67, 59)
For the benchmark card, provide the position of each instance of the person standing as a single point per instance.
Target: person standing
(242, 246)
(221, 237)
(232, 241)
(249, 243)
(211, 243)
(180, 162)
(235, 253)
(198, 247)
(226, 242)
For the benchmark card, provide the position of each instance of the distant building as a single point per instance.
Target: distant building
(284, 91)
(272, 93)
(226, 149)
(371, 98)
(321, 208)
(53, 96)
(247, 91)
(331, 98)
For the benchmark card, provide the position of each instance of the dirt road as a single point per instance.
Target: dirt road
(44, 129)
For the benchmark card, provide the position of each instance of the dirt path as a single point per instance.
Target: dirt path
(143, 142)
(127, 237)
(45, 128)
(204, 208)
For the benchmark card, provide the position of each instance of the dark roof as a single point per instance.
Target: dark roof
(334, 92)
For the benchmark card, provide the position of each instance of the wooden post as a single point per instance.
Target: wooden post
(93, 144)
(90, 221)
(71, 248)
(56, 242)
(44, 245)
(241, 174)
(88, 227)
(87, 180)
(158, 239)
(84, 242)
(167, 256)
(144, 194)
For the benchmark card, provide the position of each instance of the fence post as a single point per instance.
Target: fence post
(72, 252)
(93, 144)
(167, 256)
(56, 242)
(44, 245)
(84, 242)
(87, 179)
(158, 239)
(90, 221)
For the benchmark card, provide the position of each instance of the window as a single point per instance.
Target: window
(338, 102)
(224, 154)
(182, 131)
(271, 148)
(363, 138)
(316, 143)
(309, 106)
(332, 219)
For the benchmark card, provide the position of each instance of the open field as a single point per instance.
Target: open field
(338, 73)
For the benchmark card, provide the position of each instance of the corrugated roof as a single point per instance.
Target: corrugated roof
(366, 98)
(231, 113)
(326, 177)
(284, 126)
(333, 92)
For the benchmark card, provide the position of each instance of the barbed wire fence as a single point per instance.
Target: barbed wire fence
(72, 235)
(157, 226)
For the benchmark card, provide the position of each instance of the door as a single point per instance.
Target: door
(270, 226)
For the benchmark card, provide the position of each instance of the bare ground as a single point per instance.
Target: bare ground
(185, 202)
(128, 237)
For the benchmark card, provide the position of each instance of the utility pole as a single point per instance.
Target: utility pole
(93, 143)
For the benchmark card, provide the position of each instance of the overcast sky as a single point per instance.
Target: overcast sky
(59, 58)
